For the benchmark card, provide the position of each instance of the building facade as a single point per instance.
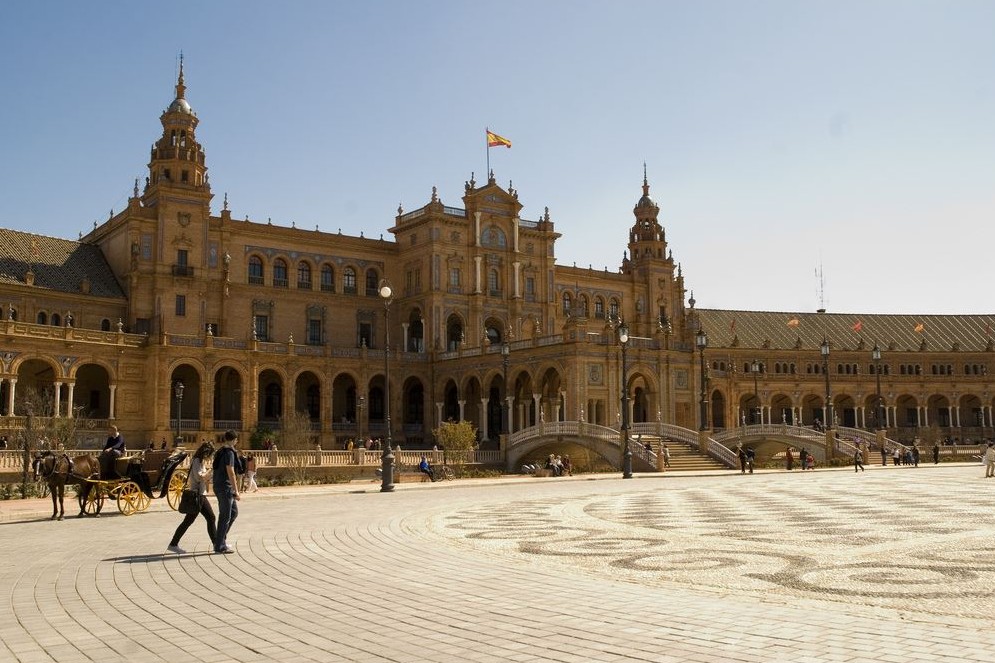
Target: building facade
(256, 321)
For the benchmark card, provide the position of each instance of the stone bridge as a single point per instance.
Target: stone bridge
(533, 444)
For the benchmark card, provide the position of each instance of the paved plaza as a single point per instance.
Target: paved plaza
(895, 564)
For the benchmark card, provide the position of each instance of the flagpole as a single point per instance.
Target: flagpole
(487, 149)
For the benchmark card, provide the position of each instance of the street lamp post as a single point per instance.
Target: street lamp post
(828, 412)
(701, 341)
(876, 356)
(623, 340)
(387, 458)
(178, 388)
(505, 356)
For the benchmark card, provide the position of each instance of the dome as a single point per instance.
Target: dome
(180, 105)
(646, 201)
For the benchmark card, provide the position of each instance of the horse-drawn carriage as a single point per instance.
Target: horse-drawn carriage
(138, 479)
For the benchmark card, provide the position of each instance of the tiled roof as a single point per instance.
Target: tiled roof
(58, 264)
(846, 331)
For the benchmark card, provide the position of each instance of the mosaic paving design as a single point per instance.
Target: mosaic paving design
(894, 540)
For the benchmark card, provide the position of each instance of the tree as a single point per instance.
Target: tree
(457, 438)
(297, 435)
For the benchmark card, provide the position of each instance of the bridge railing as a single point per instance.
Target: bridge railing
(716, 449)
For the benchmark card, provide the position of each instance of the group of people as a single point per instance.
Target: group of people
(805, 459)
(747, 457)
(907, 455)
(555, 464)
(226, 465)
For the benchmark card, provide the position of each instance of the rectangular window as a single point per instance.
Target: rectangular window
(365, 335)
(314, 332)
(530, 288)
(181, 305)
(147, 246)
(262, 327)
(182, 257)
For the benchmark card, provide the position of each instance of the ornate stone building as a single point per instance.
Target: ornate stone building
(256, 320)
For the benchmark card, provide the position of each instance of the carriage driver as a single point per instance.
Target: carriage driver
(113, 449)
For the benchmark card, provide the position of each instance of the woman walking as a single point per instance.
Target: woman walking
(195, 481)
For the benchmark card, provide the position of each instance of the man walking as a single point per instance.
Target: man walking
(858, 461)
(990, 461)
(226, 488)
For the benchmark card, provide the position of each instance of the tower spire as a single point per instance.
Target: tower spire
(181, 89)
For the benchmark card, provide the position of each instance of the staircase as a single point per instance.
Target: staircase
(684, 458)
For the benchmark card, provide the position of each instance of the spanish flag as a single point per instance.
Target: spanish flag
(493, 140)
(919, 328)
(858, 326)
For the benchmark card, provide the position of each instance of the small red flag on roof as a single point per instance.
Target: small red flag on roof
(920, 328)
(857, 326)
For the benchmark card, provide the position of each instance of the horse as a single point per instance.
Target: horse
(57, 469)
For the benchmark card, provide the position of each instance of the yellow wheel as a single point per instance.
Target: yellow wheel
(129, 498)
(91, 498)
(143, 501)
(176, 484)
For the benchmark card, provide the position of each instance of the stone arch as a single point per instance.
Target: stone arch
(186, 410)
(971, 413)
(844, 410)
(450, 401)
(781, 409)
(907, 411)
(271, 389)
(718, 409)
(307, 394)
(416, 331)
(455, 331)
(494, 331)
(413, 410)
(938, 411)
(228, 397)
(92, 393)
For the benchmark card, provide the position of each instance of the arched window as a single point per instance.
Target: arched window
(303, 275)
(492, 283)
(599, 307)
(349, 281)
(255, 270)
(280, 273)
(327, 278)
(56, 320)
(372, 283)
(613, 308)
(566, 302)
(42, 318)
(105, 325)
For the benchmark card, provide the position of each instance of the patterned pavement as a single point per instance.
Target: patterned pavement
(890, 565)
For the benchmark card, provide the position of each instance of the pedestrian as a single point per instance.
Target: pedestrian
(742, 459)
(897, 456)
(884, 454)
(915, 455)
(113, 449)
(989, 459)
(666, 456)
(751, 456)
(858, 461)
(803, 458)
(226, 489)
(568, 468)
(250, 473)
(789, 459)
(195, 481)
(936, 453)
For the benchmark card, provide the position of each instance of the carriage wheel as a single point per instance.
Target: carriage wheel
(129, 498)
(94, 501)
(143, 501)
(176, 484)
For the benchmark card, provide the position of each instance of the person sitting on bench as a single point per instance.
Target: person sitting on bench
(424, 467)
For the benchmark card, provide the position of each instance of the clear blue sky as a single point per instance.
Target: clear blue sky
(855, 134)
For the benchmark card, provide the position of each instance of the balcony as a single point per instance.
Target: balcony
(183, 270)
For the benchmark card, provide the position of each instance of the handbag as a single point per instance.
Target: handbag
(189, 502)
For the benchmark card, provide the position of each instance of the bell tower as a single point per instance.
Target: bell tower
(177, 163)
(647, 240)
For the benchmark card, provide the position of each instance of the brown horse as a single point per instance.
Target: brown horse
(57, 470)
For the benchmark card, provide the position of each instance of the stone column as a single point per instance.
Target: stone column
(404, 336)
(69, 396)
(10, 397)
(438, 414)
(57, 410)
(462, 404)
(483, 419)
(509, 414)
(112, 414)
(476, 274)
